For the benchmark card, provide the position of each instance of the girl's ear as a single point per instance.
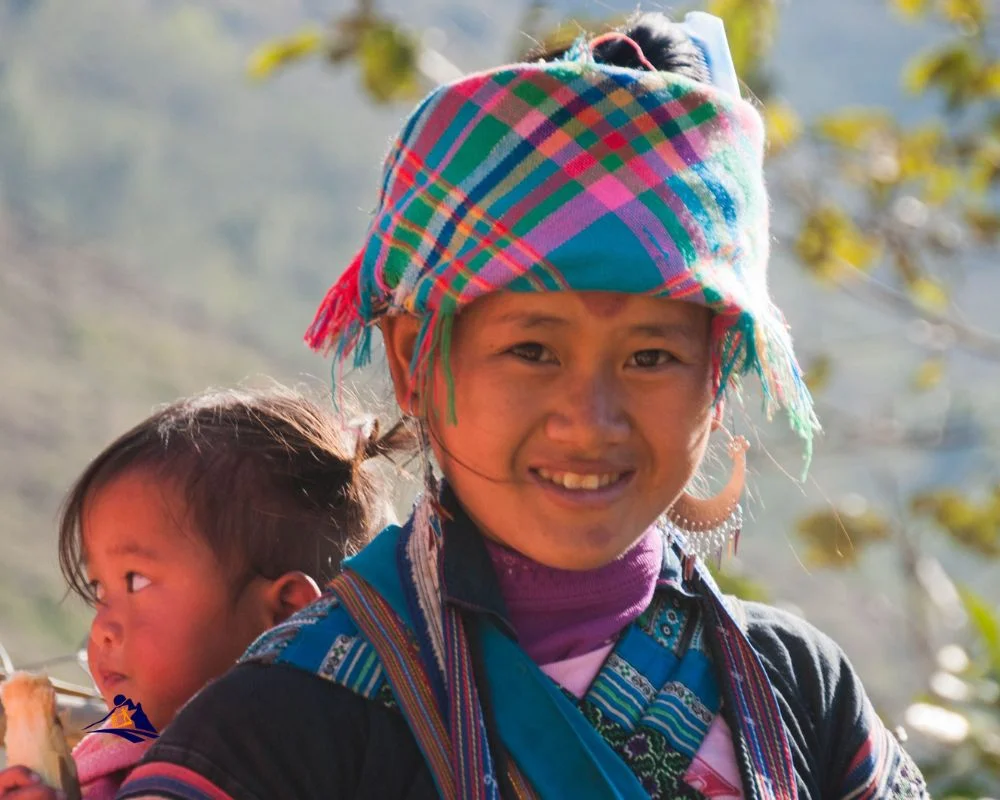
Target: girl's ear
(291, 592)
(399, 333)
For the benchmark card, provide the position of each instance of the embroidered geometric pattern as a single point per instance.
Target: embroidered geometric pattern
(331, 643)
(679, 714)
(621, 691)
(353, 663)
(658, 767)
(667, 621)
(385, 697)
(657, 731)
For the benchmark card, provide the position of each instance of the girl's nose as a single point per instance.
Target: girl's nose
(590, 413)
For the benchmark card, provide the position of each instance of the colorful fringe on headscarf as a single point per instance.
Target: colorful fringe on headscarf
(578, 176)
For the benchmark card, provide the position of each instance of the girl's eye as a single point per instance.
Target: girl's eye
(533, 351)
(134, 582)
(646, 359)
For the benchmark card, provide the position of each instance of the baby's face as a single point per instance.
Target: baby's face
(166, 622)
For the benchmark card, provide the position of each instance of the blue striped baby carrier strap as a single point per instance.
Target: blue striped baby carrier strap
(322, 639)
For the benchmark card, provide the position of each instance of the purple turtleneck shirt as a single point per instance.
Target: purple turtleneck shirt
(559, 613)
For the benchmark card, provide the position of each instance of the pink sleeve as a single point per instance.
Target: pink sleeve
(103, 762)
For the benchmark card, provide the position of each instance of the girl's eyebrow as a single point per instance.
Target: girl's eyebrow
(526, 319)
(662, 330)
(666, 330)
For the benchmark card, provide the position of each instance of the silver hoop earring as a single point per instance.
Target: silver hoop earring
(708, 525)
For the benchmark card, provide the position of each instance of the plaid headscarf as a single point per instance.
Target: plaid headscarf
(574, 176)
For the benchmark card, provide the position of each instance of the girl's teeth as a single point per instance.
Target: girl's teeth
(576, 481)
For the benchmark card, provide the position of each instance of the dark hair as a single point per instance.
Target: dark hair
(270, 484)
(663, 42)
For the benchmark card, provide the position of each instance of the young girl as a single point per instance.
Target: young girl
(204, 525)
(568, 267)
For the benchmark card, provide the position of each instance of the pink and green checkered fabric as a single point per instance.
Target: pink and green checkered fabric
(575, 176)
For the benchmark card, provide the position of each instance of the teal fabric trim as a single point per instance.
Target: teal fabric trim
(309, 649)
(548, 737)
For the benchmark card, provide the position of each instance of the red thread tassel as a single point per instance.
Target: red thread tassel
(338, 309)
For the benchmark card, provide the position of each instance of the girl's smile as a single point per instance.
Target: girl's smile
(592, 488)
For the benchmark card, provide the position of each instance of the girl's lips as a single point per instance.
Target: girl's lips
(583, 497)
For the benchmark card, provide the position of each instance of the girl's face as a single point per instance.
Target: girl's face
(167, 621)
(580, 416)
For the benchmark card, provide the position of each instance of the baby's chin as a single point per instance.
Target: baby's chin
(108, 695)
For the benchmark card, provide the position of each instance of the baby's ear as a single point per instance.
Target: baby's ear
(290, 593)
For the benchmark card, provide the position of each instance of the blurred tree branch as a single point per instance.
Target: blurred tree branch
(970, 338)
(395, 64)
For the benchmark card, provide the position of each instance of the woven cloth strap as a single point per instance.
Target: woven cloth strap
(758, 716)
(409, 681)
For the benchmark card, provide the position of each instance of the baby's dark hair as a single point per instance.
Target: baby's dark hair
(268, 478)
(663, 42)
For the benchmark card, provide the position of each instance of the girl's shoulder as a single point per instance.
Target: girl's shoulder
(807, 669)
(788, 639)
(837, 738)
(802, 659)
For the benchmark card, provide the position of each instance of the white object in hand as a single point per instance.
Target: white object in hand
(35, 737)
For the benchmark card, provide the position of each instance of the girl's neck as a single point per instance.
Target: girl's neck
(560, 613)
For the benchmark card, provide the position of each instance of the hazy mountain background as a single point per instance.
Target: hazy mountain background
(166, 225)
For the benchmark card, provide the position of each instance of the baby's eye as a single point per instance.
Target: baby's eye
(650, 358)
(134, 582)
(96, 590)
(533, 351)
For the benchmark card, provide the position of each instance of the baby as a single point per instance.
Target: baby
(208, 523)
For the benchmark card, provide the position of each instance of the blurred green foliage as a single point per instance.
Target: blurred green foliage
(962, 711)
